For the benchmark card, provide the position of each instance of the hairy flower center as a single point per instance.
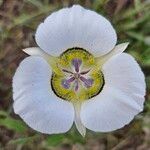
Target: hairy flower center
(79, 80)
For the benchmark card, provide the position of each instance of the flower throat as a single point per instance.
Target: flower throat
(79, 79)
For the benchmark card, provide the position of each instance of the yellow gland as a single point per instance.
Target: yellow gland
(78, 80)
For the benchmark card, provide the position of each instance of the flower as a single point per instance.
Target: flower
(77, 74)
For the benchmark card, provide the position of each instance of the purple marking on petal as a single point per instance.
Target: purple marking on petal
(76, 63)
(88, 82)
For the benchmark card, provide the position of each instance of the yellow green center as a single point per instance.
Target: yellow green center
(79, 79)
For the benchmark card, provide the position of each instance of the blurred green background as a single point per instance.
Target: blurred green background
(18, 22)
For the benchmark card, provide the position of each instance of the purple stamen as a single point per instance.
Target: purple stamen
(71, 79)
(76, 85)
(88, 82)
(77, 63)
(66, 83)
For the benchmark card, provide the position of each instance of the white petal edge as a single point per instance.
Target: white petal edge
(35, 101)
(121, 98)
(76, 27)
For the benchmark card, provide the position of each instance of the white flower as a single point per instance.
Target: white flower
(77, 75)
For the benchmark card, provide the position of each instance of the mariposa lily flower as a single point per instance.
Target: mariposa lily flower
(77, 74)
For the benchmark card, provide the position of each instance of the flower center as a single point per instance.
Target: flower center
(79, 80)
(77, 77)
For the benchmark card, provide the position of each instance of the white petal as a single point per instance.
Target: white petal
(35, 101)
(121, 98)
(76, 27)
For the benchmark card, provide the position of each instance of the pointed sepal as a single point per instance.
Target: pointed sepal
(52, 61)
(118, 49)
